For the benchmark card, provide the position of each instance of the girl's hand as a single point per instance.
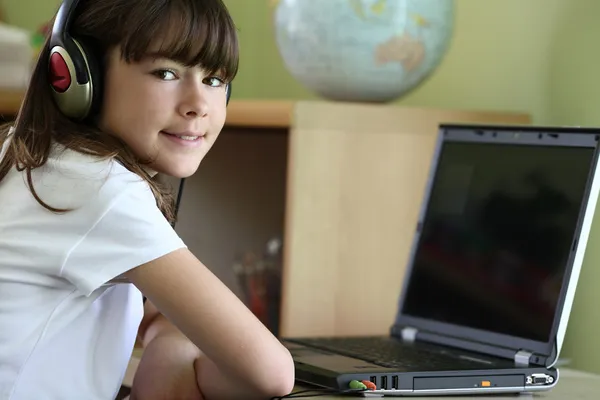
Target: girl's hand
(166, 371)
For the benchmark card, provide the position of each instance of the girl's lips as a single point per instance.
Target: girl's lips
(185, 139)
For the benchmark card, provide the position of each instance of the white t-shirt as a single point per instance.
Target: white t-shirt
(65, 333)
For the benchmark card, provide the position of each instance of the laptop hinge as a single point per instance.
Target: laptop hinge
(409, 334)
(522, 358)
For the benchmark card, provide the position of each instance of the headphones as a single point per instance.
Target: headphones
(75, 73)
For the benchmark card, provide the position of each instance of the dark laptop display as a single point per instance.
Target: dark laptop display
(497, 236)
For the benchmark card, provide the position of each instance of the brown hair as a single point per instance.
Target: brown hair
(193, 32)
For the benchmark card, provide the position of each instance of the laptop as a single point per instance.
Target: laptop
(491, 275)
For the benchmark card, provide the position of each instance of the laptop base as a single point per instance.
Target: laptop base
(334, 371)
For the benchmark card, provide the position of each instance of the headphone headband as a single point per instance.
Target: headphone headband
(62, 23)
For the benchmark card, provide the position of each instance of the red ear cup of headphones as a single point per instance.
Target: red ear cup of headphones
(73, 75)
(76, 94)
(60, 76)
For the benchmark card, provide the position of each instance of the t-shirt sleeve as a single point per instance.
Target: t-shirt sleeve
(132, 231)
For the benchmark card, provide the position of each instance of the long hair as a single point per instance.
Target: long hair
(193, 32)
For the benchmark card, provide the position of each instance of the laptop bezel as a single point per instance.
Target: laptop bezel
(482, 339)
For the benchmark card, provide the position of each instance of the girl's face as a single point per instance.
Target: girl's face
(166, 112)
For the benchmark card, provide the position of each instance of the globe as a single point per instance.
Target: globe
(362, 50)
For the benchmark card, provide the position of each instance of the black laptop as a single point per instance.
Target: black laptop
(492, 273)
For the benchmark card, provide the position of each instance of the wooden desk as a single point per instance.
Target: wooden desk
(323, 176)
(572, 385)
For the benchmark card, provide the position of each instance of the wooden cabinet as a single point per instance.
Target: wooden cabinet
(10, 101)
(340, 183)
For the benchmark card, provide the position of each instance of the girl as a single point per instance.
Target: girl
(122, 90)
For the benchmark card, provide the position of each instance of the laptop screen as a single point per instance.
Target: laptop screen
(497, 235)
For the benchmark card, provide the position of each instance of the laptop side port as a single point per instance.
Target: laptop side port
(539, 379)
(383, 382)
(373, 379)
(394, 382)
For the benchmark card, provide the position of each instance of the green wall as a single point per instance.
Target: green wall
(574, 99)
(536, 56)
(498, 58)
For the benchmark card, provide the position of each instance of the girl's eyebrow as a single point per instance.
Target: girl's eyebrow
(160, 56)
(152, 56)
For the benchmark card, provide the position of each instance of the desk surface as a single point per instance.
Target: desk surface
(572, 385)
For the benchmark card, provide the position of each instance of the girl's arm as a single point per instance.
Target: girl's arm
(239, 354)
(166, 368)
(212, 383)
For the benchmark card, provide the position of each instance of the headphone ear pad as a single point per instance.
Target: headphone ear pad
(75, 79)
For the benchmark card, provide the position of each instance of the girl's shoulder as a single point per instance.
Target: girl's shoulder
(85, 185)
(121, 218)
(89, 177)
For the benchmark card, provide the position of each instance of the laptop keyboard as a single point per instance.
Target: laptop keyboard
(390, 353)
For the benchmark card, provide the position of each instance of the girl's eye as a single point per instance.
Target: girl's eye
(214, 81)
(165, 74)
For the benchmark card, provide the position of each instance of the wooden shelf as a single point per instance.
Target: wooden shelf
(271, 113)
(240, 113)
(342, 184)
(260, 113)
(10, 101)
